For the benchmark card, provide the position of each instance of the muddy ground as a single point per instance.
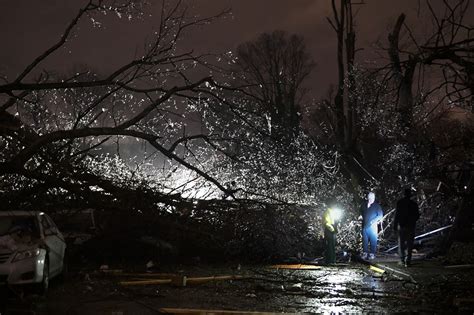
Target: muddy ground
(427, 286)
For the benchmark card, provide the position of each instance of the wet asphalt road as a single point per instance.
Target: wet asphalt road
(351, 288)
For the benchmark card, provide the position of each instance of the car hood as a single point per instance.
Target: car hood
(9, 243)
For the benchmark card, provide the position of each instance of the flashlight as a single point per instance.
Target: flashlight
(336, 214)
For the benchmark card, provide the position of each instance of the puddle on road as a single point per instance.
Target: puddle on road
(337, 290)
(345, 289)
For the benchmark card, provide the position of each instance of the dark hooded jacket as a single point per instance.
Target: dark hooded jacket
(407, 213)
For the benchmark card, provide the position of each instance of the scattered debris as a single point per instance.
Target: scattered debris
(150, 266)
(424, 235)
(214, 312)
(296, 266)
(111, 271)
(141, 275)
(353, 288)
(404, 275)
(146, 282)
(376, 269)
(182, 280)
(295, 287)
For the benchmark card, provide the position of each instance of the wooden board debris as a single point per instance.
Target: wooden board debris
(182, 280)
(214, 312)
(296, 266)
(376, 269)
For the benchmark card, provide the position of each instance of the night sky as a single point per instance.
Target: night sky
(28, 27)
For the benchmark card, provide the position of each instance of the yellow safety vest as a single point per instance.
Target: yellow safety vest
(328, 221)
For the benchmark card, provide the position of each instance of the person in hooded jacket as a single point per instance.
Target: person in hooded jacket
(406, 215)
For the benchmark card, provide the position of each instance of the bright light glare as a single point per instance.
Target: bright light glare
(189, 185)
(336, 214)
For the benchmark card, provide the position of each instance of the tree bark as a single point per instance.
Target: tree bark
(403, 76)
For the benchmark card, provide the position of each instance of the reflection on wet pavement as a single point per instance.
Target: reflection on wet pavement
(351, 288)
(340, 290)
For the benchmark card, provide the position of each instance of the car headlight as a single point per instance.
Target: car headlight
(30, 253)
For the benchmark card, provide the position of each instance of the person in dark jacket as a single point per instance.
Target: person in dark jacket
(372, 214)
(406, 215)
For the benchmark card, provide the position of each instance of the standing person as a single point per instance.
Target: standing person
(330, 216)
(406, 215)
(372, 214)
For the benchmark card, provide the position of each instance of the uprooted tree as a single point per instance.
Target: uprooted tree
(50, 125)
(64, 139)
(218, 159)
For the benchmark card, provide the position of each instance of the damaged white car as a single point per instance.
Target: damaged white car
(31, 249)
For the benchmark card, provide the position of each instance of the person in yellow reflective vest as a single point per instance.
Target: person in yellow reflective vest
(330, 216)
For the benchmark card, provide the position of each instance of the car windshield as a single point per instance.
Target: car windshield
(20, 225)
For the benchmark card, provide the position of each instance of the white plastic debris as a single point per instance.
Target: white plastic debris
(104, 267)
(150, 264)
(297, 286)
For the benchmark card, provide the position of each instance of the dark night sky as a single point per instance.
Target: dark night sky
(28, 27)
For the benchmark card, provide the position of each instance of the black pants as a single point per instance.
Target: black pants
(406, 238)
